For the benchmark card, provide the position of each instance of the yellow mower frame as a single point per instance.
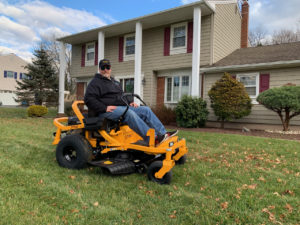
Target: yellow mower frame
(123, 139)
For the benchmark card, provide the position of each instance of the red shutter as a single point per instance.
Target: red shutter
(190, 38)
(167, 41)
(264, 82)
(121, 48)
(83, 56)
(160, 98)
(96, 53)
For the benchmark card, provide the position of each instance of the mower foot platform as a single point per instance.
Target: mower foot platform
(115, 167)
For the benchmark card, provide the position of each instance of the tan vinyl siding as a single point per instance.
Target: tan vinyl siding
(227, 30)
(259, 114)
(152, 58)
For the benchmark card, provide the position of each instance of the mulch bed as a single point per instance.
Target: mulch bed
(259, 133)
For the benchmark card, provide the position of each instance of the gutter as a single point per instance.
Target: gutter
(251, 66)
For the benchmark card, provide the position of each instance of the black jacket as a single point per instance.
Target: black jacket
(102, 92)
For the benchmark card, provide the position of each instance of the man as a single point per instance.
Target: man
(103, 99)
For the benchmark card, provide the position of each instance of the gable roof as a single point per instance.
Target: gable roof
(169, 16)
(259, 56)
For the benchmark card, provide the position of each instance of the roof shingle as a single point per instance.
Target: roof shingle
(261, 54)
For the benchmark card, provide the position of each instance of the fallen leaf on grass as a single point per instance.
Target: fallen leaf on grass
(72, 177)
(96, 204)
(279, 180)
(224, 205)
(289, 207)
(276, 193)
(262, 179)
(72, 191)
(175, 187)
(187, 184)
(139, 216)
(271, 207)
(74, 211)
(173, 216)
(288, 192)
(252, 186)
(41, 182)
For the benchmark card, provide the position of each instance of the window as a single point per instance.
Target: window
(176, 87)
(90, 54)
(127, 84)
(129, 47)
(251, 83)
(178, 38)
(10, 74)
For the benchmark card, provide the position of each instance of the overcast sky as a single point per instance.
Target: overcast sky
(24, 22)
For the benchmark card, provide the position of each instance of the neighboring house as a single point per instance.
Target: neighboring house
(259, 69)
(11, 69)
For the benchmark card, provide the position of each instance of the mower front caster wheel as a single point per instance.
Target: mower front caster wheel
(182, 160)
(155, 167)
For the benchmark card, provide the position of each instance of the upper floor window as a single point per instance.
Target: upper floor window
(178, 38)
(176, 87)
(90, 54)
(129, 47)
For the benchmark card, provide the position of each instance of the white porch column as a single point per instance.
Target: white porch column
(196, 52)
(62, 71)
(101, 44)
(138, 58)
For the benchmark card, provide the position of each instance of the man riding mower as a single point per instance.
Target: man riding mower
(114, 146)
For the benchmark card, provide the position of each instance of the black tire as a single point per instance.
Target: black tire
(73, 152)
(182, 160)
(153, 168)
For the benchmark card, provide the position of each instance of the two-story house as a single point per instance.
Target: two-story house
(184, 50)
(159, 56)
(11, 70)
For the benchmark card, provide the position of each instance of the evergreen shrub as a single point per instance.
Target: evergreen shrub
(37, 111)
(191, 112)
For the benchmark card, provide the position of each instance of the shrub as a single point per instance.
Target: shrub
(191, 112)
(285, 101)
(165, 114)
(37, 111)
(229, 99)
(0, 103)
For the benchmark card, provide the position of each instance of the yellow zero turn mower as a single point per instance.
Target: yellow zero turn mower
(82, 141)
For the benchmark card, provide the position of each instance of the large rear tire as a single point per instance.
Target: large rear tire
(155, 167)
(73, 152)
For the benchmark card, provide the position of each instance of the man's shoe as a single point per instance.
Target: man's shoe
(172, 133)
(162, 138)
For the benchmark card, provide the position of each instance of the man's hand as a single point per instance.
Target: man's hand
(133, 104)
(110, 108)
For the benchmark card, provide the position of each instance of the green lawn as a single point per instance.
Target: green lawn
(228, 179)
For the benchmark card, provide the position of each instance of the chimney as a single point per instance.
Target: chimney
(245, 24)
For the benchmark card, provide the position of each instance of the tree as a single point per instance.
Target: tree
(41, 84)
(52, 47)
(285, 101)
(257, 37)
(229, 99)
(285, 36)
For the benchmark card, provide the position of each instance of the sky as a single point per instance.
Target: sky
(23, 23)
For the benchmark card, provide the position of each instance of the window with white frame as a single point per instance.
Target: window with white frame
(127, 84)
(10, 74)
(90, 54)
(129, 47)
(176, 87)
(178, 38)
(251, 83)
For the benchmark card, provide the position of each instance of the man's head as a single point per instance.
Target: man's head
(105, 68)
